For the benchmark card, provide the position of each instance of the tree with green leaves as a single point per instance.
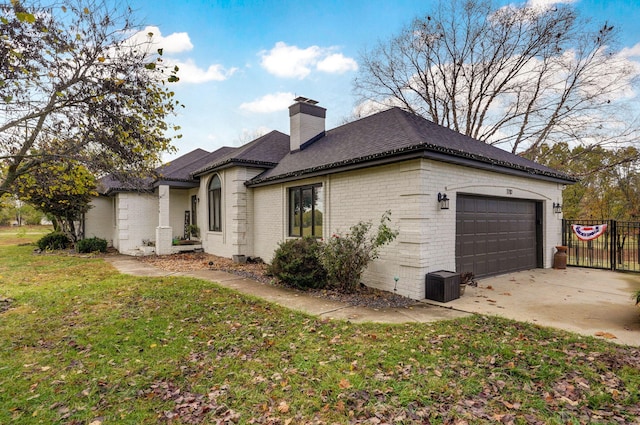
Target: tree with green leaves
(517, 77)
(609, 186)
(14, 211)
(76, 87)
(62, 190)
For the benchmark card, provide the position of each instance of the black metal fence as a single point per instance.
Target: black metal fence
(618, 248)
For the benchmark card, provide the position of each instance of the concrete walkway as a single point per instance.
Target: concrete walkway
(590, 302)
(420, 312)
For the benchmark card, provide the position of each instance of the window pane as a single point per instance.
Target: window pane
(318, 211)
(307, 211)
(194, 210)
(294, 212)
(210, 210)
(217, 210)
(215, 204)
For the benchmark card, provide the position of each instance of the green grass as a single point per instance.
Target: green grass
(22, 235)
(81, 343)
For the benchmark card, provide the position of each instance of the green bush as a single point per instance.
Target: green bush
(54, 240)
(345, 257)
(91, 245)
(296, 263)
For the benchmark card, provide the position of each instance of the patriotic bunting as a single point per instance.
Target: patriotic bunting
(587, 233)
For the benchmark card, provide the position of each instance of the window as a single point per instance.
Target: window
(305, 211)
(215, 204)
(194, 210)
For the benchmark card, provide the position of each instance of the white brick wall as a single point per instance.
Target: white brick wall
(180, 201)
(235, 237)
(99, 220)
(426, 241)
(136, 219)
(269, 219)
(128, 218)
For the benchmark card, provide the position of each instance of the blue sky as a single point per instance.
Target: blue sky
(242, 62)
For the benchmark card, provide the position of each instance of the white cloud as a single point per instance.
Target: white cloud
(290, 61)
(631, 52)
(370, 107)
(189, 72)
(293, 62)
(173, 43)
(269, 103)
(545, 4)
(337, 63)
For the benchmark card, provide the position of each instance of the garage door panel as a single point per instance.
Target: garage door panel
(495, 235)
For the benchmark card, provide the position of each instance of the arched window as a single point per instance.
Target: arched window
(215, 204)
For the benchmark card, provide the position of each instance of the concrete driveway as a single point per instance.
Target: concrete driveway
(587, 301)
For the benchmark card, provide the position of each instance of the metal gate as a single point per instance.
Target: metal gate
(617, 249)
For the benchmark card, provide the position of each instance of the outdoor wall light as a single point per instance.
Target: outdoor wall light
(443, 201)
(557, 208)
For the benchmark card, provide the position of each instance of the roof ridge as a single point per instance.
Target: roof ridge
(241, 153)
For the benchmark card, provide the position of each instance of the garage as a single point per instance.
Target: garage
(497, 235)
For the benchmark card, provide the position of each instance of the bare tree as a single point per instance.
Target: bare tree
(75, 85)
(515, 76)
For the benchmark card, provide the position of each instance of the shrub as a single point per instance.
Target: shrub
(296, 263)
(345, 257)
(91, 245)
(54, 240)
(636, 297)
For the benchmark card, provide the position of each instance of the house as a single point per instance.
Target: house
(459, 204)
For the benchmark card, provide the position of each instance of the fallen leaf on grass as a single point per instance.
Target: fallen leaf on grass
(606, 335)
(283, 407)
(344, 383)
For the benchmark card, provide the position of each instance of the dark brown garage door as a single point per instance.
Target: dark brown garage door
(496, 235)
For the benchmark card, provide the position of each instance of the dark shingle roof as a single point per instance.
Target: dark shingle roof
(178, 170)
(393, 135)
(389, 136)
(264, 152)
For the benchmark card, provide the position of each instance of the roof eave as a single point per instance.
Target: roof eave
(177, 183)
(414, 152)
(233, 163)
(114, 190)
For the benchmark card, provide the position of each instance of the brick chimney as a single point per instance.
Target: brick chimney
(307, 122)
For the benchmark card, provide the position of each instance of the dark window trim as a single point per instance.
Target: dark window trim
(290, 217)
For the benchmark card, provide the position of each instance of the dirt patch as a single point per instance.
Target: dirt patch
(185, 262)
(5, 304)
(193, 261)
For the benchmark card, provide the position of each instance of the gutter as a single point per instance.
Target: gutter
(432, 152)
(232, 163)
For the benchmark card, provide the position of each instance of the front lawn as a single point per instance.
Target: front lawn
(11, 235)
(82, 344)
